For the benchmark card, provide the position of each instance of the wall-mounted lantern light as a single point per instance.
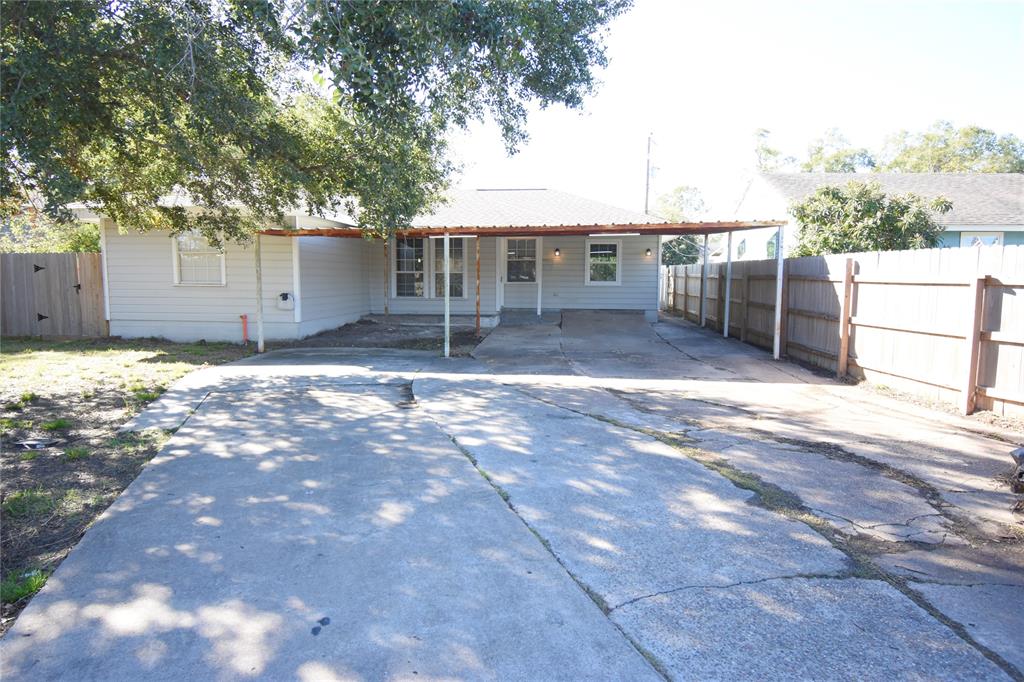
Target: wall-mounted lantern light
(648, 253)
(558, 252)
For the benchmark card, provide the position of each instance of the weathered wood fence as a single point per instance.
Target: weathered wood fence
(51, 294)
(946, 324)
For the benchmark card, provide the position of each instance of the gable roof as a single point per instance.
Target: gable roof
(522, 207)
(978, 198)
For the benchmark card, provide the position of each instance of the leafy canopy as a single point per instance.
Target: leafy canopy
(946, 149)
(833, 154)
(678, 205)
(30, 232)
(121, 102)
(861, 217)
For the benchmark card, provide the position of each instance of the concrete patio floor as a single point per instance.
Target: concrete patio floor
(597, 498)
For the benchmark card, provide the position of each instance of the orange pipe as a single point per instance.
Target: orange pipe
(245, 328)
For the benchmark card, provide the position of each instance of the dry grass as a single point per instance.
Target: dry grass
(78, 393)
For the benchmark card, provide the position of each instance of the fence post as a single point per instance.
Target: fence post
(972, 345)
(844, 321)
(784, 332)
(745, 307)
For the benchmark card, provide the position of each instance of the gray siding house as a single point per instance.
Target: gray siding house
(539, 250)
(988, 208)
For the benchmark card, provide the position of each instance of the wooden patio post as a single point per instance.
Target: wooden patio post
(972, 345)
(728, 284)
(844, 321)
(478, 285)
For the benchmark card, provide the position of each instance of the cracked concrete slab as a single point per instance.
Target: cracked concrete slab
(321, 533)
(800, 628)
(627, 514)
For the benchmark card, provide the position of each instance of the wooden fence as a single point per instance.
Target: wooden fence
(51, 294)
(946, 324)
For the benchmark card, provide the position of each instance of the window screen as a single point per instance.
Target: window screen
(522, 260)
(198, 262)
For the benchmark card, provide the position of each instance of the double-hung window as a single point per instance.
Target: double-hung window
(409, 267)
(196, 262)
(521, 264)
(604, 261)
(456, 267)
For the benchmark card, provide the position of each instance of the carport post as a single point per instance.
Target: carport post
(478, 285)
(704, 284)
(259, 297)
(447, 301)
(777, 345)
(728, 283)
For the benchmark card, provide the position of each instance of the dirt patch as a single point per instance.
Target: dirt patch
(374, 334)
(75, 394)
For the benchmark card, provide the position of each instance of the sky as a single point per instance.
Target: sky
(702, 76)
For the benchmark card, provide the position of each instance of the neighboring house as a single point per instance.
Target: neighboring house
(988, 208)
(538, 250)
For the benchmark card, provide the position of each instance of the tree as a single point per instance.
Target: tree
(832, 153)
(122, 103)
(682, 204)
(30, 232)
(861, 217)
(946, 149)
(768, 158)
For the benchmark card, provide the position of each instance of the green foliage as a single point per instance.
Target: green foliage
(682, 250)
(833, 154)
(861, 217)
(58, 424)
(122, 103)
(946, 149)
(30, 232)
(14, 588)
(768, 158)
(76, 453)
(681, 204)
(27, 503)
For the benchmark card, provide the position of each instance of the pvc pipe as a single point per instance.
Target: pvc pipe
(245, 329)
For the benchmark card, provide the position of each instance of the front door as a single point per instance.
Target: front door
(519, 277)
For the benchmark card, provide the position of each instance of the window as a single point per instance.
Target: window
(521, 264)
(456, 267)
(196, 262)
(741, 248)
(981, 238)
(409, 267)
(603, 261)
(769, 248)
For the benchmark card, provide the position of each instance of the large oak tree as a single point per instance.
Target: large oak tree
(250, 108)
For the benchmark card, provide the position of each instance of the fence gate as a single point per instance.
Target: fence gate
(51, 294)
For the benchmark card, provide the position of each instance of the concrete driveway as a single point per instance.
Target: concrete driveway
(600, 498)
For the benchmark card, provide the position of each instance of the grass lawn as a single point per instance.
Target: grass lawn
(77, 393)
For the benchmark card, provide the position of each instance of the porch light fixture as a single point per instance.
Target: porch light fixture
(648, 253)
(558, 252)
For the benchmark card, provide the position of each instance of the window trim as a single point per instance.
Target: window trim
(393, 268)
(176, 268)
(437, 245)
(537, 261)
(429, 271)
(982, 233)
(618, 262)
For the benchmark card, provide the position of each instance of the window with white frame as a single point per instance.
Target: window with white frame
(521, 262)
(456, 267)
(741, 249)
(981, 238)
(409, 267)
(604, 261)
(196, 262)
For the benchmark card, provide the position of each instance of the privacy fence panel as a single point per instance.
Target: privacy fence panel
(52, 294)
(945, 324)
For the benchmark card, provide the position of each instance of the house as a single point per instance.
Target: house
(988, 208)
(519, 249)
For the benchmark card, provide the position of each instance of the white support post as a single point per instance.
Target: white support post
(447, 301)
(728, 283)
(780, 262)
(662, 297)
(704, 284)
(540, 272)
(259, 297)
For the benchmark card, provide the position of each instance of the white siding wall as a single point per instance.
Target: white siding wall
(144, 301)
(435, 306)
(563, 284)
(332, 287)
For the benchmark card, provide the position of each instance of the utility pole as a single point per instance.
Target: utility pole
(647, 184)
